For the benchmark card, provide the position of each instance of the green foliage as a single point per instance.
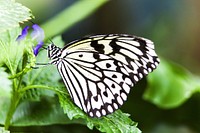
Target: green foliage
(11, 53)
(171, 85)
(12, 14)
(5, 95)
(2, 130)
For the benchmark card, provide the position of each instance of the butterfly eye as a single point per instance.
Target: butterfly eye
(50, 47)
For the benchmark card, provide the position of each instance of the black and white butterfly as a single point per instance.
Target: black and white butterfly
(100, 70)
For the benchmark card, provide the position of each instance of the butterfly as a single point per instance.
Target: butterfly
(99, 71)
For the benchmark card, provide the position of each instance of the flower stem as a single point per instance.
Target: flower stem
(14, 103)
(16, 96)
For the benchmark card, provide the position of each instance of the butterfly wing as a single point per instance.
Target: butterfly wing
(99, 71)
(136, 53)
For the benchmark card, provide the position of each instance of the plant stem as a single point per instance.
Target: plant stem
(14, 102)
(16, 96)
(41, 87)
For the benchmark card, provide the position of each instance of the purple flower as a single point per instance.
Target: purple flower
(23, 34)
(37, 48)
(37, 34)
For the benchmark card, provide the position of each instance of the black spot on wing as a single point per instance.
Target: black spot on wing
(114, 76)
(98, 47)
(141, 42)
(113, 86)
(81, 55)
(96, 56)
(142, 47)
(105, 93)
(114, 46)
(96, 98)
(108, 65)
(149, 65)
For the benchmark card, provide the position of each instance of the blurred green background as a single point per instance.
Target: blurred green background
(174, 27)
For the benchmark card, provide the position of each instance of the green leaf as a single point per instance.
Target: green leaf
(5, 94)
(170, 85)
(12, 14)
(2, 130)
(11, 51)
(116, 122)
(47, 111)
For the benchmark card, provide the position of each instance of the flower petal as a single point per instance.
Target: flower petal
(37, 48)
(23, 34)
(38, 33)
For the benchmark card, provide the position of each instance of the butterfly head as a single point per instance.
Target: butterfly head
(53, 53)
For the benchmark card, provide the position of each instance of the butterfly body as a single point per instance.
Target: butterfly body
(100, 70)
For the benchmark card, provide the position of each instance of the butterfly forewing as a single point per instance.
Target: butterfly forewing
(99, 71)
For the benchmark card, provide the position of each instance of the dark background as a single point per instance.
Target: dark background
(173, 25)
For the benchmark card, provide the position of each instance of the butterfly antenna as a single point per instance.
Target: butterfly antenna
(31, 21)
(43, 47)
(51, 41)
